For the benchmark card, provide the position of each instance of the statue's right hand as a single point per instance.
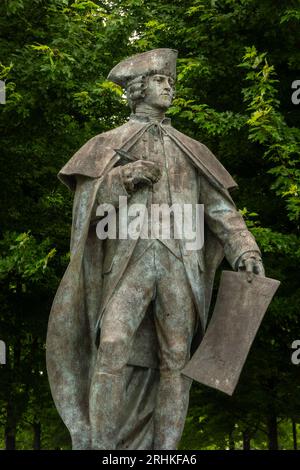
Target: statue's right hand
(139, 173)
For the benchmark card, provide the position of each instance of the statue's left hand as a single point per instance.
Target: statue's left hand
(251, 263)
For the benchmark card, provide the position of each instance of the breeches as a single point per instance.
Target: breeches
(158, 277)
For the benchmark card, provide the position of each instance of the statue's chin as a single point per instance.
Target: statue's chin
(163, 106)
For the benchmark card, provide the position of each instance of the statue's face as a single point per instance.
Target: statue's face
(159, 92)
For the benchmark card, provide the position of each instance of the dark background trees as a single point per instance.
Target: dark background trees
(237, 62)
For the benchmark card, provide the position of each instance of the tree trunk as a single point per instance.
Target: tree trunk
(246, 440)
(37, 430)
(294, 435)
(10, 439)
(231, 441)
(10, 429)
(272, 433)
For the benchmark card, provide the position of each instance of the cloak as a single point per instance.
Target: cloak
(71, 347)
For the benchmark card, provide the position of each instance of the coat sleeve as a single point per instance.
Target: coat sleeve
(225, 221)
(111, 188)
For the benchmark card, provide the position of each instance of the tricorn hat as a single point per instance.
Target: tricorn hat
(156, 61)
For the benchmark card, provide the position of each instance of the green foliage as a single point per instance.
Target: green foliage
(268, 127)
(25, 259)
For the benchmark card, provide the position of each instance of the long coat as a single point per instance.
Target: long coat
(71, 338)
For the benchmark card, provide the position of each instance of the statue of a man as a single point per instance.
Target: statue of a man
(129, 311)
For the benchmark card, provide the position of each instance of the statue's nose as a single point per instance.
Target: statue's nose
(167, 85)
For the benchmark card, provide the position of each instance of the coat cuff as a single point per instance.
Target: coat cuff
(239, 243)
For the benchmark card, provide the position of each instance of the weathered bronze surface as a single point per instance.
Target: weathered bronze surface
(129, 312)
(239, 310)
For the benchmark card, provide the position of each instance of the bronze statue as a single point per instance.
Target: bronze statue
(129, 312)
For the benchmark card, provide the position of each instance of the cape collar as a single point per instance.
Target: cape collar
(146, 120)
